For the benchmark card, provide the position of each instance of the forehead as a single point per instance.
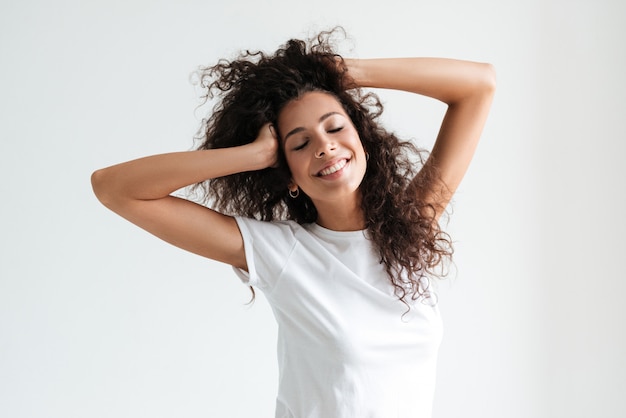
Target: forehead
(308, 108)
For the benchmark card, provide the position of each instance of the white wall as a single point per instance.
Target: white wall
(99, 319)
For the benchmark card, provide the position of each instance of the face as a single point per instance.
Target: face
(322, 147)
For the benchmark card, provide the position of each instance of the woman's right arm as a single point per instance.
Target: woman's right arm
(139, 191)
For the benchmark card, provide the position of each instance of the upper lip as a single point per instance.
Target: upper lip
(331, 163)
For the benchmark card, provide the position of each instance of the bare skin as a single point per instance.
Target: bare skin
(326, 158)
(466, 87)
(140, 190)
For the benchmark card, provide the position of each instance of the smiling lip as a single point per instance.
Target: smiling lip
(333, 168)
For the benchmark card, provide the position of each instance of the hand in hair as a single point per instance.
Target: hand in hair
(267, 144)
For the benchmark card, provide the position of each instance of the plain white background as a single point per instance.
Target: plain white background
(100, 319)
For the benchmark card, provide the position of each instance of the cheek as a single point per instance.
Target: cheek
(297, 165)
(357, 145)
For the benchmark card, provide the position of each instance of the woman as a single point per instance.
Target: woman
(324, 211)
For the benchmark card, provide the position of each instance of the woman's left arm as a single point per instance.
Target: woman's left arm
(466, 87)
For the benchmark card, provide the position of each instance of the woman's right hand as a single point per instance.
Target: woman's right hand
(267, 143)
(140, 191)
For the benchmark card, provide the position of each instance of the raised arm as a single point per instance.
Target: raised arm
(139, 191)
(466, 87)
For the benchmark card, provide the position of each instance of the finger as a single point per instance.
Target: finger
(273, 131)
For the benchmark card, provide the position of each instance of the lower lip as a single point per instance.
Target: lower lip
(336, 174)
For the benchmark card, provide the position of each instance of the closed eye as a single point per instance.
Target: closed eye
(332, 131)
(301, 146)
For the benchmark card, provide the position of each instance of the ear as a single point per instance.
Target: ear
(292, 186)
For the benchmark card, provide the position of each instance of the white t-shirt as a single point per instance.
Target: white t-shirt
(345, 349)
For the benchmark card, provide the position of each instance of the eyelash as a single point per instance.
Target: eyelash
(299, 147)
(304, 144)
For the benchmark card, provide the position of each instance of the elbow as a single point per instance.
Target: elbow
(479, 84)
(101, 185)
(488, 78)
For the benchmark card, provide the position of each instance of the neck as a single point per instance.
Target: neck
(340, 217)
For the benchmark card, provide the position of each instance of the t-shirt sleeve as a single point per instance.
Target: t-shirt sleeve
(267, 247)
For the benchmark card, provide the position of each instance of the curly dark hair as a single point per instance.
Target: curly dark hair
(255, 87)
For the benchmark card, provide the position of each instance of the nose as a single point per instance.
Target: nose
(324, 147)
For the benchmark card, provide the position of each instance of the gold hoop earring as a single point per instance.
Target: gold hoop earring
(294, 194)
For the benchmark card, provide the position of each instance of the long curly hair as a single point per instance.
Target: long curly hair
(252, 90)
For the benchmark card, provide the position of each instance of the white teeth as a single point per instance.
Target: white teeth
(334, 168)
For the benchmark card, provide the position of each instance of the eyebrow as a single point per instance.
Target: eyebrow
(300, 128)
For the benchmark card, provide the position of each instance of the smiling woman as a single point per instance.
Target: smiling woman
(323, 210)
(325, 157)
